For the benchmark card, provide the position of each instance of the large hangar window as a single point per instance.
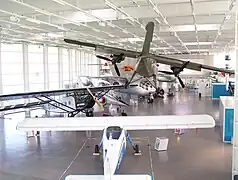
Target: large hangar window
(12, 68)
(65, 63)
(36, 67)
(53, 68)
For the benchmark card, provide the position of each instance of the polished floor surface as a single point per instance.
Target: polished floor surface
(195, 155)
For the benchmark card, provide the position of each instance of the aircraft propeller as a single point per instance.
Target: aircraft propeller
(95, 99)
(115, 59)
(176, 71)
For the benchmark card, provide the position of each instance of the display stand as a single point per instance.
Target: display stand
(161, 143)
(226, 116)
(219, 89)
(179, 131)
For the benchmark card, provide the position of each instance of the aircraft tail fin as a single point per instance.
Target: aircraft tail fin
(148, 38)
(114, 177)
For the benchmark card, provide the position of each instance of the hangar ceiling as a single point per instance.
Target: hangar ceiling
(182, 26)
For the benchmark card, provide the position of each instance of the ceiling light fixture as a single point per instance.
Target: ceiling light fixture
(125, 31)
(100, 23)
(228, 16)
(61, 28)
(25, 27)
(112, 25)
(43, 11)
(59, 2)
(111, 35)
(110, 5)
(33, 20)
(96, 30)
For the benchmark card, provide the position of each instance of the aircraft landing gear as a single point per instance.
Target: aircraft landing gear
(70, 114)
(137, 150)
(159, 93)
(97, 149)
(150, 100)
(89, 113)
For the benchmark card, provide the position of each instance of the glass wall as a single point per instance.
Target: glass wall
(53, 68)
(12, 68)
(65, 63)
(69, 65)
(88, 64)
(36, 67)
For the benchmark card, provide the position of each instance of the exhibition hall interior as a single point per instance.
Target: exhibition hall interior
(118, 89)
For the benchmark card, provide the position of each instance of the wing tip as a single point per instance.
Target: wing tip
(209, 118)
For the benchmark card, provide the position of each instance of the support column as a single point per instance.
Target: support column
(25, 67)
(46, 67)
(26, 75)
(76, 68)
(235, 127)
(2, 121)
(1, 81)
(60, 67)
(82, 58)
(70, 66)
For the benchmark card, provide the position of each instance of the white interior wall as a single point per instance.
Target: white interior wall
(219, 59)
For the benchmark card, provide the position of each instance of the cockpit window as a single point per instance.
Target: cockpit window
(113, 132)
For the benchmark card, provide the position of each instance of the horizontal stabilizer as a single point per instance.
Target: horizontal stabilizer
(127, 122)
(115, 177)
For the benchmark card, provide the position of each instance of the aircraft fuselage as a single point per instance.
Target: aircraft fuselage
(144, 67)
(113, 147)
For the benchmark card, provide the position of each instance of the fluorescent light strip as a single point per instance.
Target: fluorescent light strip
(33, 20)
(110, 5)
(43, 11)
(59, 2)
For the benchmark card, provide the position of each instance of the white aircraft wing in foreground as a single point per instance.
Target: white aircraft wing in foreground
(115, 136)
(126, 122)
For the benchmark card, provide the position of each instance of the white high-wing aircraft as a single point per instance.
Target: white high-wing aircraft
(146, 66)
(115, 135)
(110, 80)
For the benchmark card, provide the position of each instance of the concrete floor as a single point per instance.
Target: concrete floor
(194, 156)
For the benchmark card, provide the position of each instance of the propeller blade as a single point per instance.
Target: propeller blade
(95, 99)
(102, 57)
(181, 82)
(167, 72)
(117, 70)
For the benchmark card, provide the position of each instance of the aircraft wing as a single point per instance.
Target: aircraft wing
(26, 95)
(191, 65)
(114, 177)
(105, 49)
(159, 59)
(127, 122)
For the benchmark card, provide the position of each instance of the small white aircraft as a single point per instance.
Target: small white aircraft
(109, 80)
(115, 135)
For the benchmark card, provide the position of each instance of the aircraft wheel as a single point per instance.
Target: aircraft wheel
(96, 149)
(149, 101)
(70, 115)
(137, 149)
(161, 92)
